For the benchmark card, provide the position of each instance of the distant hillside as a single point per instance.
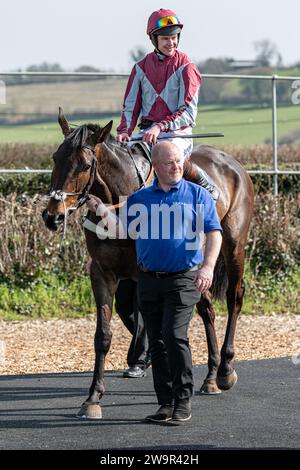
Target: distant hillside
(35, 102)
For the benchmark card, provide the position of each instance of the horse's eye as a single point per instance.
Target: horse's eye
(85, 167)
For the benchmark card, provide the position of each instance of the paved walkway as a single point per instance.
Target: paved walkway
(262, 410)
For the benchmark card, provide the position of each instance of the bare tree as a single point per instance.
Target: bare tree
(137, 54)
(266, 53)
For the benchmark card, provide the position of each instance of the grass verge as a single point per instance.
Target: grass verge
(54, 297)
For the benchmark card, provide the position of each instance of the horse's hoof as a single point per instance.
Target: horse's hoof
(227, 382)
(90, 411)
(209, 387)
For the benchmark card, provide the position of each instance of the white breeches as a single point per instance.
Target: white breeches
(184, 145)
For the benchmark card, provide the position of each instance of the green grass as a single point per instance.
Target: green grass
(52, 297)
(246, 125)
(47, 298)
(38, 133)
(269, 294)
(242, 125)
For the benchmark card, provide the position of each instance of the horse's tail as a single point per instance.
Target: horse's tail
(220, 281)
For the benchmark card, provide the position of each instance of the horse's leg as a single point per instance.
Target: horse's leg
(104, 289)
(234, 261)
(206, 311)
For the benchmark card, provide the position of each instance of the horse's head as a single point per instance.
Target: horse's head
(74, 169)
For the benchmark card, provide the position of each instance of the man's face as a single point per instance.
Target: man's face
(167, 44)
(169, 167)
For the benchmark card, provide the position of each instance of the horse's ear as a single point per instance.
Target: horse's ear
(104, 132)
(63, 122)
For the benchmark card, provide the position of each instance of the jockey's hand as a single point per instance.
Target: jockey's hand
(204, 278)
(124, 137)
(93, 202)
(151, 135)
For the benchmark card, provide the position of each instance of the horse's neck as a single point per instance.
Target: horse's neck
(116, 175)
(100, 189)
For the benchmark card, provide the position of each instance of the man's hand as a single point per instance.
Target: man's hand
(204, 278)
(124, 137)
(151, 135)
(88, 266)
(93, 203)
(205, 274)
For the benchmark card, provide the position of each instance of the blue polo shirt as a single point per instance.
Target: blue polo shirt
(167, 226)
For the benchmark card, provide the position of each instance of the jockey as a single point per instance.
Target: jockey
(164, 88)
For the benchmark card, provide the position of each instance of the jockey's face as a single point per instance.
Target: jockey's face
(168, 44)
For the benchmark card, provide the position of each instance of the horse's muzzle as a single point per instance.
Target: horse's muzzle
(52, 221)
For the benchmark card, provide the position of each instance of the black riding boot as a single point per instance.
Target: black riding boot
(193, 173)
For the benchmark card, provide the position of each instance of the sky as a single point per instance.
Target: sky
(101, 33)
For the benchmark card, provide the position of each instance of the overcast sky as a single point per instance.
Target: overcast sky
(101, 33)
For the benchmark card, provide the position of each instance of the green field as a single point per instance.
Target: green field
(246, 125)
(243, 125)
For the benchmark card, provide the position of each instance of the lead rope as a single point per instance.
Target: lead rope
(61, 196)
(66, 213)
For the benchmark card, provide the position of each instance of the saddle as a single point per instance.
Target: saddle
(144, 148)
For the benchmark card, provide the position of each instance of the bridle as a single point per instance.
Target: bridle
(82, 196)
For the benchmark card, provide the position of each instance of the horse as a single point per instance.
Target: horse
(91, 161)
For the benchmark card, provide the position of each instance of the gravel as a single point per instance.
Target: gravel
(42, 346)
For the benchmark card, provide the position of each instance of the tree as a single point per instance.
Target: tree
(266, 53)
(45, 67)
(211, 89)
(137, 54)
(87, 68)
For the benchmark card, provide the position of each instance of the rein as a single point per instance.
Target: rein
(140, 176)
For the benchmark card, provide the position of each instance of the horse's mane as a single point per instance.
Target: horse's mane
(78, 137)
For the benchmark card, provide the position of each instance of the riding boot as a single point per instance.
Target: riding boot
(192, 172)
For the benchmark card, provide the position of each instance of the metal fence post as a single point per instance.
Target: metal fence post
(274, 136)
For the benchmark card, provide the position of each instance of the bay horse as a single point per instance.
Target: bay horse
(91, 161)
